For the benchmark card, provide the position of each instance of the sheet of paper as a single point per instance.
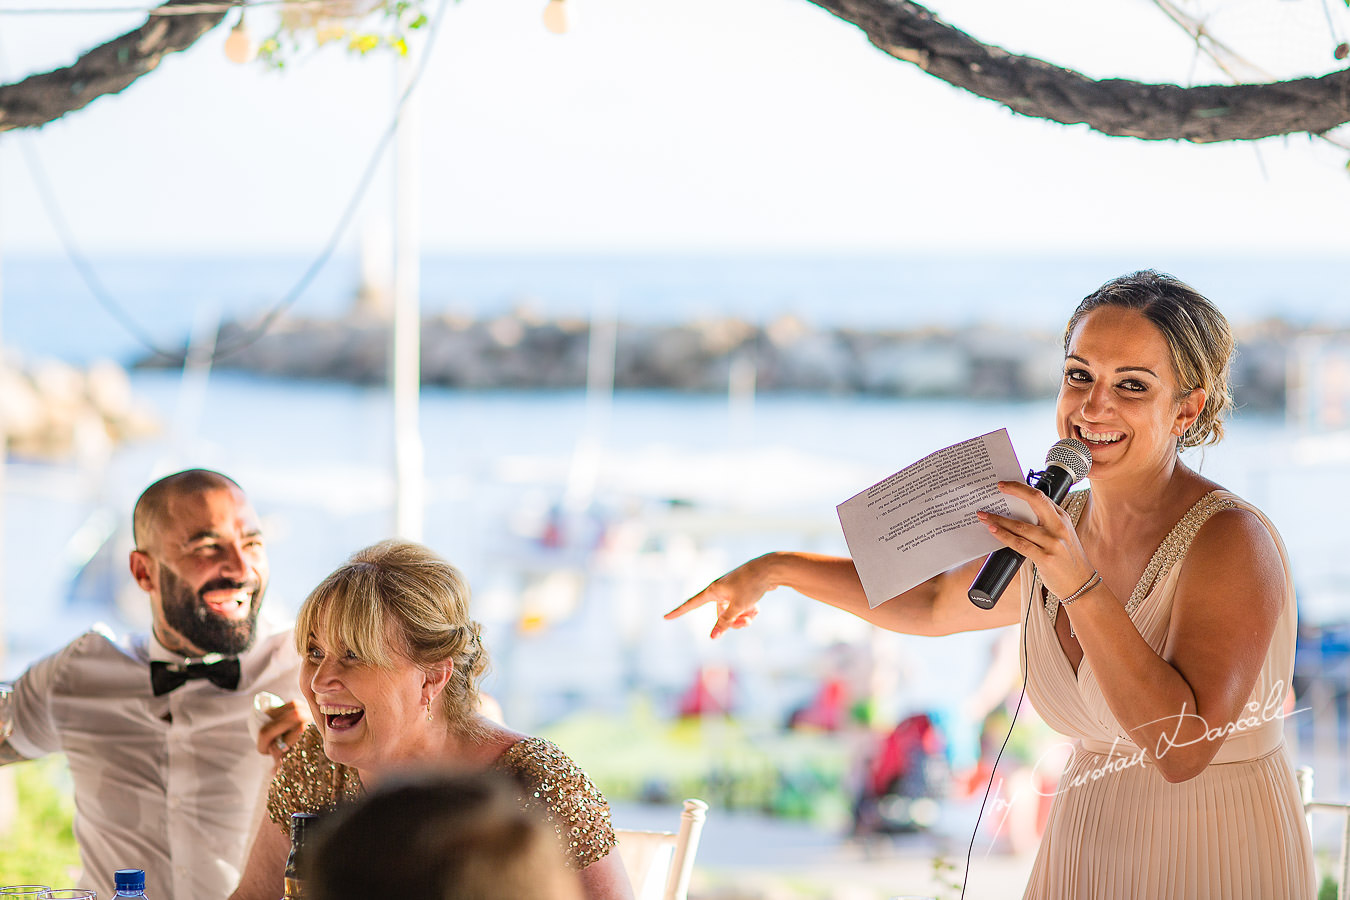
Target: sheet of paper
(921, 521)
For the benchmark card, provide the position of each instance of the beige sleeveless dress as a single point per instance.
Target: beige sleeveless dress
(1117, 829)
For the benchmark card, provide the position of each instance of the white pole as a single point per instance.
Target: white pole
(405, 355)
(9, 797)
(4, 465)
(601, 358)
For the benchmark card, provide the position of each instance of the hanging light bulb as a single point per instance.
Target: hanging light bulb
(239, 46)
(555, 16)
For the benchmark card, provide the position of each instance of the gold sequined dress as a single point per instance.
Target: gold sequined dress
(308, 781)
(1117, 830)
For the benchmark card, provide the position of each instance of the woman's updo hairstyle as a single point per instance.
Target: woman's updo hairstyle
(426, 601)
(1197, 334)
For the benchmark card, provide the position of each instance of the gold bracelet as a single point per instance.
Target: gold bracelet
(1091, 583)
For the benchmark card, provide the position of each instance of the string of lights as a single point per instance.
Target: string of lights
(179, 9)
(556, 14)
(1331, 27)
(251, 335)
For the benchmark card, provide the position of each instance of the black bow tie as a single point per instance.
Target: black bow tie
(165, 677)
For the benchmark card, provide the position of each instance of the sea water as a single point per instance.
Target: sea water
(576, 530)
(580, 519)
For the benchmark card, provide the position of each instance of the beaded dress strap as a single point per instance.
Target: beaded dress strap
(1172, 549)
(1174, 546)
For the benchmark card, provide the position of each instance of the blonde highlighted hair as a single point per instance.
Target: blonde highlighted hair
(399, 600)
(1197, 334)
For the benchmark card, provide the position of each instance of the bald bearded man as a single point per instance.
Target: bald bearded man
(156, 726)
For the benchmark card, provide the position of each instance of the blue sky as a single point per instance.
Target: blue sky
(697, 125)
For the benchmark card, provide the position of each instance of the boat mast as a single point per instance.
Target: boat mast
(405, 353)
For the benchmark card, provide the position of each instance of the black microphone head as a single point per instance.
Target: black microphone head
(1072, 455)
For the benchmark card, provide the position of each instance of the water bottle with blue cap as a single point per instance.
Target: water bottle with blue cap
(129, 882)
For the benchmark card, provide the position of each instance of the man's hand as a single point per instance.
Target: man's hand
(286, 723)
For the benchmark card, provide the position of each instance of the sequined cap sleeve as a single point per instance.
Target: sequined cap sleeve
(308, 781)
(555, 787)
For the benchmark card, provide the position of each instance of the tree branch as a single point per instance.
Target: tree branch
(106, 69)
(904, 30)
(1153, 112)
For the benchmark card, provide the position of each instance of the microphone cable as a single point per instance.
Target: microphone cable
(1026, 667)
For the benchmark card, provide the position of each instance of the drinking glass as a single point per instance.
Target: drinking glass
(262, 702)
(36, 891)
(70, 894)
(7, 715)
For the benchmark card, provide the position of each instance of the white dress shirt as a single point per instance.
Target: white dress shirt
(166, 784)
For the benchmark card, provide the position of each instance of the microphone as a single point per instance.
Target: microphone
(1067, 462)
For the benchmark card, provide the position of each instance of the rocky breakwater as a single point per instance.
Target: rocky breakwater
(51, 410)
(523, 351)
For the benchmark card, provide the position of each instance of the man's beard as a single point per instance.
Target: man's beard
(188, 614)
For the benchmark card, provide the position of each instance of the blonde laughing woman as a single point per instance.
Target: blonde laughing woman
(390, 668)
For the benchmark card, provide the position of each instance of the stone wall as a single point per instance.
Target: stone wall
(53, 410)
(524, 352)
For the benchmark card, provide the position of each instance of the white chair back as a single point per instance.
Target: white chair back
(1304, 774)
(659, 863)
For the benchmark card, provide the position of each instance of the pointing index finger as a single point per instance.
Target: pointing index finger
(692, 603)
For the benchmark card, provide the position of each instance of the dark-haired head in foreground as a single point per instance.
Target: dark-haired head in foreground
(445, 837)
